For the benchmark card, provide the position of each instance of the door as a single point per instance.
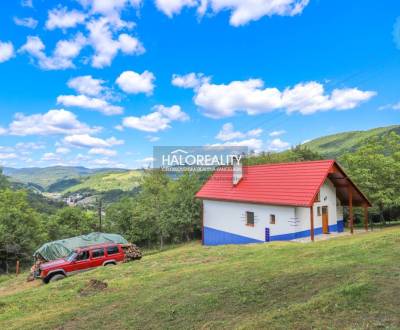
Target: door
(325, 220)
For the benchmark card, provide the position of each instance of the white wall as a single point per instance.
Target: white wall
(231, 217)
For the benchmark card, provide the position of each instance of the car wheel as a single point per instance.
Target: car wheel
(57, 277)
(110, 264)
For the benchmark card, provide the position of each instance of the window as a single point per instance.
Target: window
(319, 211)
(97, 253)
(318, 197)
(249, 218)
(272, 219)
(112, 250)
(83, 255)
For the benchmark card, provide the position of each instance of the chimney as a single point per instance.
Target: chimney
(237, 170)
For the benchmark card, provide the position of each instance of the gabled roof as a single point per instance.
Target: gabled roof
(295, 184)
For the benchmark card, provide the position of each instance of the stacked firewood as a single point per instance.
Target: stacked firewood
(132, 252)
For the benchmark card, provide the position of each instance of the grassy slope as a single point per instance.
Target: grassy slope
(348, 282)
(108, 181)
(336, 145)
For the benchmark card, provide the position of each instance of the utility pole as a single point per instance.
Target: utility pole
(100, 213)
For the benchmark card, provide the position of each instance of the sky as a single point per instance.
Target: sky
(98, 83)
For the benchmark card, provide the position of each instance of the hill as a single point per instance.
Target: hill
(333, 146)
(47, 176)
(347, 282)
(102, 182)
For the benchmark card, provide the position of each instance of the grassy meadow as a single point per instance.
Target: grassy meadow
(347, 283)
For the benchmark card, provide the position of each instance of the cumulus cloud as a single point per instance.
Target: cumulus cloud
(63, 55)
(134, 83)
(190, 80)
(228, 133)
(156, 121)
(106, 47)
(277, 145)
(62, 18)
(4, 156)
(6, 51)
(63, 150)
(250, 96)
(88, 141)
(395, 106)
(152, 138)
(277, 133)
(3, 131)
(28, 22)
(103, 152)
(252, 144)
(50, 123)
(91, 103)
(242, 11)
(50, 156)
(87, 85)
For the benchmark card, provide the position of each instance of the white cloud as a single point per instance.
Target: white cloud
(277, 133)
(63, 55)
(277, 145)
(395, 106)
(106, 47)
(156, 121)
(253, 144)
(87, 85)
(190, 80)
(50, 123)
(228, 133)
(144, 163)
(3, 131)
(87, 141)
(134, 83)
(61, 18)
(91, 103)
(250, 96)
(63, 150)
(172, 113)
(4, 156)
(152, 138)
(28, 22)
(172, 7)
(6, 51)
(49, 156)
(102, 151)
(242, 11)
(28, 146)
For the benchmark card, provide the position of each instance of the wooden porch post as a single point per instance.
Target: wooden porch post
(312, 223)
(351, 220)
(366, 217)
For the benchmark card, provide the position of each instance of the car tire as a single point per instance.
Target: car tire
(56, 277)
(110, 264)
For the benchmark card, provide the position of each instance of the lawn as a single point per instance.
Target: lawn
(346, 283)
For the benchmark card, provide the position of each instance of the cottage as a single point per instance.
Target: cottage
(275, 202)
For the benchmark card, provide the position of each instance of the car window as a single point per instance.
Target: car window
(112, 250)
(97, 253)
(83, 255)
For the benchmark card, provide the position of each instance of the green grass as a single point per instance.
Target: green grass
(108, 181)
(343, 283)
(333, 146)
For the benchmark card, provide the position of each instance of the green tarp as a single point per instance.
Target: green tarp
(62, 248)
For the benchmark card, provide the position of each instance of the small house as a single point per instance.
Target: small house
(274, 202)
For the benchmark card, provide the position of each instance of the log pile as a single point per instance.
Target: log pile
(132, 252)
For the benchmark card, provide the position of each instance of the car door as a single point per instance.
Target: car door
(114, 252)
(97, 257)
(82, 261)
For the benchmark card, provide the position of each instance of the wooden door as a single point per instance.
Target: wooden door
(325, 220)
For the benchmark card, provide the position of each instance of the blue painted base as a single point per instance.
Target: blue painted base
(218, 237)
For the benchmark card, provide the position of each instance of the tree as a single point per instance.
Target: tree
(19, 227)
(375, 167)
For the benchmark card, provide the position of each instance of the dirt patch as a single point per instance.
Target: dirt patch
(92, 287)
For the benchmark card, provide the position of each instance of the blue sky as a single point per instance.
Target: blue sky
(99, 82)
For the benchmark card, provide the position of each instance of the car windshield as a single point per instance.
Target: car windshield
(71, 256)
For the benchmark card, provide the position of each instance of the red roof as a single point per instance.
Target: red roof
(294, 184)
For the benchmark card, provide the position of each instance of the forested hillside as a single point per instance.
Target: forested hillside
(335, 146)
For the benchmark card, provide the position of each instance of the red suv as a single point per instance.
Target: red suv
(80, 260)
